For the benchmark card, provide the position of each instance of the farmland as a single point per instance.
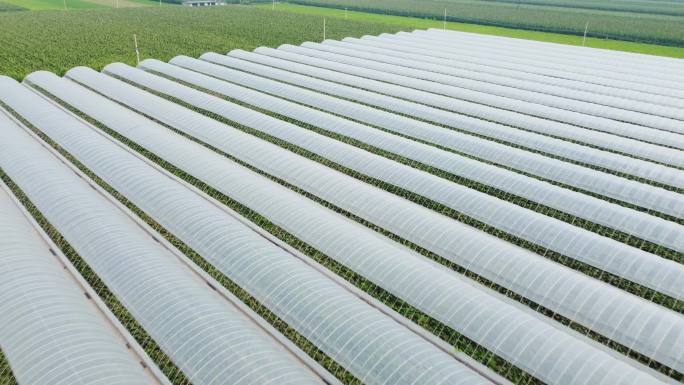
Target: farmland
(672, 8)
(47, 5)
(359, 162)
(409, 23)
(635, 26)
(59, 41)
(7, 7)
(42, 5)
(402, 202)
(654, 7)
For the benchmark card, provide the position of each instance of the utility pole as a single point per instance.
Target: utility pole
(444, 23)
(324, 29)
(584, 39)
(137, 53)
(273, 6)
(345, 13)
(65, 8)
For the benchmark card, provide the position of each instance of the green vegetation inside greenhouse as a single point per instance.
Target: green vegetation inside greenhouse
(6, 375)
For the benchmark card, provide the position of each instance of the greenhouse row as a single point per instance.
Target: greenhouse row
(394, 209)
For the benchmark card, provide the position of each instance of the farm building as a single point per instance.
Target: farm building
(202, 3)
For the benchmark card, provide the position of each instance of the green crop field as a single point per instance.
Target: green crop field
(410, 23)
(649, 6)
(41, 5)
(57, 41)
(48, 5)
(666, 27)
(8, 7)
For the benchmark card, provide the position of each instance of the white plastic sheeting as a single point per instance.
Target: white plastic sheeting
(600, 95)
(640, 65)
(499, 261)
(526, 73)
(568, 52)
(664, 77)
(616, 88)
(51, 333)
(664, 71)
(662, 232)
(564, 238)
(375, 348)
(531, 139)
(633, 192)
(574, 72)
(205, 335)
(588, 109)
(611, 161)
(550, 352)
(515, 107)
